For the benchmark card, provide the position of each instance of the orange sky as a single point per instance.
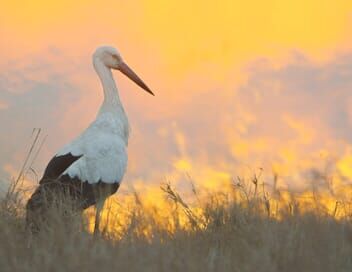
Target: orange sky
(239, 84)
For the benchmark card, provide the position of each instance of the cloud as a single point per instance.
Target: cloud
(37, 95)
(289, 118)
(318, 95)
(3, 105)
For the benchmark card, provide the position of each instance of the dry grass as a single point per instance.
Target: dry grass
(239, 231)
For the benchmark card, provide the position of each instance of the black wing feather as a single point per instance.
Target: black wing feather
(57, 166)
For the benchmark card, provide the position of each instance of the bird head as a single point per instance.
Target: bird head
(112, 59)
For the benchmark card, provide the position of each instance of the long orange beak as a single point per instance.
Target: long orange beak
(127, 71)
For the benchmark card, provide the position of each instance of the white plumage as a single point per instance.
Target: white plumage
(103, 146)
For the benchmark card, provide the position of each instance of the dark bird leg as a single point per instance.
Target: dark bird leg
(99, 208)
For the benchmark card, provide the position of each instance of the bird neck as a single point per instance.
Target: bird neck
(111, 95)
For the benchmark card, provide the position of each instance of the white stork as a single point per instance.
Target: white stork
(91, 167)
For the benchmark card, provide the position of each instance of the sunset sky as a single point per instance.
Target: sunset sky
(240, 85)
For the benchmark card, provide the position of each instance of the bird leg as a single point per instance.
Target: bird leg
(99, 208)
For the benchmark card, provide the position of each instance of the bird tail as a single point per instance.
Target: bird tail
(34, 211)
(51, 204)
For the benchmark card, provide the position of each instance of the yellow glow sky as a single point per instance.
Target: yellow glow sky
(239, 84)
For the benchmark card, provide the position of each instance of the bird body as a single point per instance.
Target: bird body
(103, 149)
(92, 166)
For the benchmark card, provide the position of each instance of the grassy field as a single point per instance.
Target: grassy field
(240, 229)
